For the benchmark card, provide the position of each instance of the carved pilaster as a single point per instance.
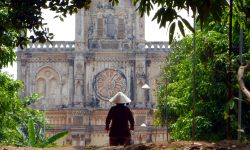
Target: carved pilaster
(132, 82)
(71, 80)
(79, 31)
(79, 80)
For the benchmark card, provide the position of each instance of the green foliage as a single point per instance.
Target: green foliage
(31, 133)
(241, 16)
(55, 138)
(182, 128)
(211, 87)
(35, 137)
(203, 8)
(168, 12)
(206, 12)
(212, 106)
(11, 108)
(19, 16)
(114, 2)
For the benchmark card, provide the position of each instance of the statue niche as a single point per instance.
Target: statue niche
(110, 27)
(48, 85)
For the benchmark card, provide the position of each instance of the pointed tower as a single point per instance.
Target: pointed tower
(111, 39)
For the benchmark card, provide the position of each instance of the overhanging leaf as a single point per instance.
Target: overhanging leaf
(181, 27)
(23, 134)
(158, 14)
(31, 133)
(171, 32)
(55, 138)
(187, 24)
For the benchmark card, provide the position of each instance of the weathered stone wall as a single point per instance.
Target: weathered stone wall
(76, 79)
(46, 74)
(87, 127)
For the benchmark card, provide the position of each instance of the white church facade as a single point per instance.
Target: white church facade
(77, 78)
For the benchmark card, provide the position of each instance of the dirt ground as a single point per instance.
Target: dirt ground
(178, 145)
(201, 145)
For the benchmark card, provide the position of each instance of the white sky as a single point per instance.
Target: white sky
(65, 31)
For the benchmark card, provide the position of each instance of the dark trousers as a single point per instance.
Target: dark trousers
(114, 141)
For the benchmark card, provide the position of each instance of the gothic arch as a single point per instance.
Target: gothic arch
(47, 67)
(48, 84)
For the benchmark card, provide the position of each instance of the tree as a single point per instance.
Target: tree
(12, 107)
(240, 76)
(33, 136)
(19, 16)
(168, 12)
(206, 11)
(212, 106)
(243, 11)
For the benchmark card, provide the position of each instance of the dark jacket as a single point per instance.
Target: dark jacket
(120, 115)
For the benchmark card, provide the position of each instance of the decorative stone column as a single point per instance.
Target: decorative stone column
(148, 91)
(140, 68)
(79, 31)
(78, 80)
(132, 82)
(71, 81)
(88, 69)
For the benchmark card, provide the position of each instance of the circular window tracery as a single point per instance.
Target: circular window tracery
(109, 82)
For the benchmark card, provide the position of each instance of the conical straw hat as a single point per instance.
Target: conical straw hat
(120, 98)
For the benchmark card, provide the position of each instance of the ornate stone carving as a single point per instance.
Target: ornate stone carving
(121, 28)
(108, 82)
(48, 58)
(109, 44)
(99, 27)
(72, 76)
(78, 69)
(110, 21)
(48, 85)
(78, 90)
(91, 28)
(111, 59)
(104, 5)
(140, 69)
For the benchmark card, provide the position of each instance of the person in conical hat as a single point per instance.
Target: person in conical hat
(120, 98)
(121, 119)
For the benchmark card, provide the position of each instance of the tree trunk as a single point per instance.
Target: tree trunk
(229, 73)
(241, 71)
